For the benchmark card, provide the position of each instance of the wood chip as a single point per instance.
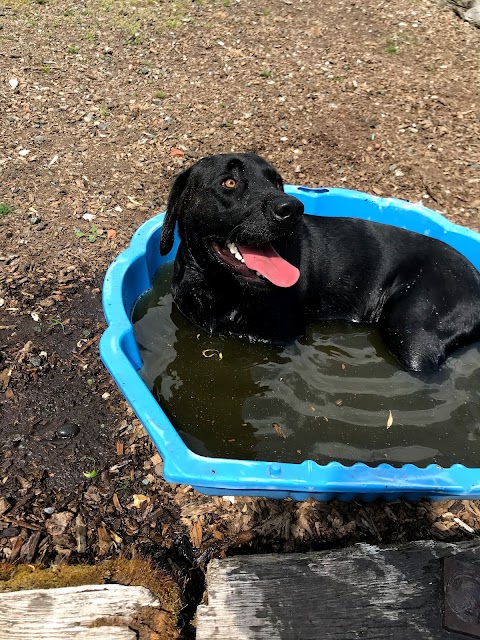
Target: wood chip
(5, 378)
(116, 503)
(196, 534)
(30, 547)
(104, 540)
(156, 459)
(4, 506)
(80, 534)
(58, 523)
(464, 525)
(139, 500)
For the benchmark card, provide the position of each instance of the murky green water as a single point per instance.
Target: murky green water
(329, 394)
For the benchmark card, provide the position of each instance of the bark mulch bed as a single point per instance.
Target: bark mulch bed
(102, 102)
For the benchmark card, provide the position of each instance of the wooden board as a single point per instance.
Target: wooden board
(361, 592)
(70, 613)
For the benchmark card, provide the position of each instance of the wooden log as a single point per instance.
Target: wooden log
(90, 612)
(362, 592)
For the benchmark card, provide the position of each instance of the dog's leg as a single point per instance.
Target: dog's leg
(421, 334)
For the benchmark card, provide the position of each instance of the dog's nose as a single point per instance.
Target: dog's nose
(287, 208)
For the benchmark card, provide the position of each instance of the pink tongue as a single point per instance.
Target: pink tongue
(266, 261)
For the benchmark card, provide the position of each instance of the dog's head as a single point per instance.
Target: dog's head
(231, 211)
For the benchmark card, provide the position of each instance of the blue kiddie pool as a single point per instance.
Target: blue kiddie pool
(131, 275)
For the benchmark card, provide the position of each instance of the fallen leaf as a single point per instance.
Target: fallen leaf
(9, 394)
(177, 152)
(209, 353)
(344, 366)
(120, 448)
(339, 403)
(390, 420)
(279, 430)
(111, 234)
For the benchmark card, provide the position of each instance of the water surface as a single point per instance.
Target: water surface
(327, 396)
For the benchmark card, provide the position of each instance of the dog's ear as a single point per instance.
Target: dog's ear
(173, 206)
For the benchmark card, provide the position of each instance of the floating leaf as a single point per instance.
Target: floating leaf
(278, 429)
(209, 353)
(390, 420)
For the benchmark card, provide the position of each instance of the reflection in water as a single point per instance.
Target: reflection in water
(329, 392)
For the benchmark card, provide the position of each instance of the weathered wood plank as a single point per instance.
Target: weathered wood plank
(362, 592)
(70, 613)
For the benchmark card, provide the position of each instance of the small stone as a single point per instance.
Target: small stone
(49, 510)
(39, 139)
(35, 219)
(35, 361)
(68, 430)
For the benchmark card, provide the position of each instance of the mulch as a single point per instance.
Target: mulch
(101, 105)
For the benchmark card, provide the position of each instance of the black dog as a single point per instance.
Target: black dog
(250, 262)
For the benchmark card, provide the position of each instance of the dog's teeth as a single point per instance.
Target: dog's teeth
(233, 249)
(238, 256)
(258, 273)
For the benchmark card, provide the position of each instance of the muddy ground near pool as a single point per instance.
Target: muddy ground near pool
(101, 105)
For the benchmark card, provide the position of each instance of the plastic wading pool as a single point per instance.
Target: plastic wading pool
(131, 274)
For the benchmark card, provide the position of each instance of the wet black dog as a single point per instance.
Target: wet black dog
(250, 262)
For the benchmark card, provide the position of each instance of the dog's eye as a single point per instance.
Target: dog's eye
(230, 183)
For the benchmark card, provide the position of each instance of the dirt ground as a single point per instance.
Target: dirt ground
(102, 102)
